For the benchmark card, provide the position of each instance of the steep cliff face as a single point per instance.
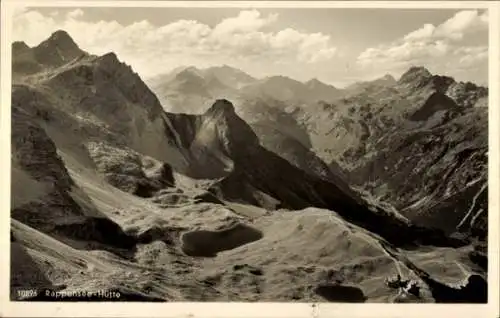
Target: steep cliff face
(212, 140)
(419, 144)
(419, 170)
(55, 205)
(281, 133)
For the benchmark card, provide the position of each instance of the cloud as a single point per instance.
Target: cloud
(18, 10)
(245, 22)
(424, 32)
(444, 48)
(244, 38)
(75, 14)
(463, 23)
(471, 56)
(455, 28)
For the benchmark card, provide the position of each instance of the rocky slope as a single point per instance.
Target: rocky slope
(419, 144)
(44, 195)
(127, 198)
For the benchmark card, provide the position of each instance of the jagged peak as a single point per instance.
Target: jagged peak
(468, 85)
(57, 50)
(110, 56)
(109, 61)
(60, 35)
(415, 72)
(419, 69)
(232, 131)
(60, 38)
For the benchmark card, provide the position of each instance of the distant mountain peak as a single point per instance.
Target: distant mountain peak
(314, 81)
(225, 66)
(279, 76)
(416, 75)
(60, 35)
(109, 60)
(419, 77)
(61, 39)
(190, 75)
(419, 69)
(57, 50)
(191, 68)
(189, 72)
(227, 69)
(280, 79)
(388, 77)
(111, 56)
(228, 75)
(415, 72)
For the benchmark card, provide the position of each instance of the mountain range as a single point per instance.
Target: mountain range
(216, 186)
(363, 133)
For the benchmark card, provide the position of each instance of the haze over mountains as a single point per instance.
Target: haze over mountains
(216, 186)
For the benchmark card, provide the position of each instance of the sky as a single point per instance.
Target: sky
(335, 45)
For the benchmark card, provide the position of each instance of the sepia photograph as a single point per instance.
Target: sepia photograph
(253, 154)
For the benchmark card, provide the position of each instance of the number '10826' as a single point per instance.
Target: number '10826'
(23, 293)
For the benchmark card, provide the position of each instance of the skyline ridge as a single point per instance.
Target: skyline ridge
(63, 35)
(327, 45)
